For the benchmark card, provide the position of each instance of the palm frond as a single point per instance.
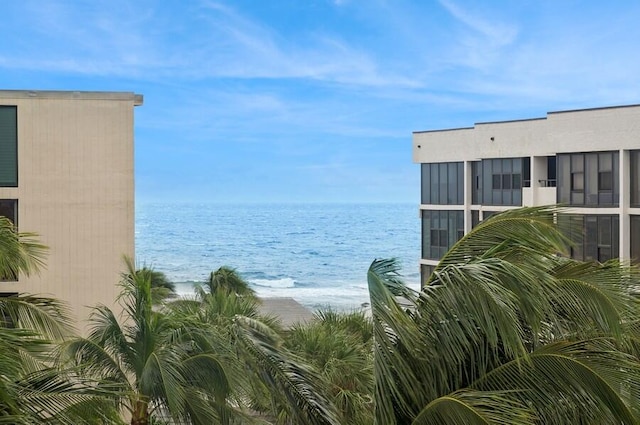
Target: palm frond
(475, 407)
(46, 316)
(19, 252)
(591, 377)
(287, 375)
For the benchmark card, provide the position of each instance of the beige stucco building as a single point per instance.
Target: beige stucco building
(587, 160)
(66, 173)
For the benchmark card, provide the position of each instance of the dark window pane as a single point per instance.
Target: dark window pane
(516, 181)
(9, 209)
(604, 254)
(442, 187)
(434, 196)
(591, 238)
(616, 180)
(615, 236)
(577, 236)
(605, 180)
(496, 180)
(425, 272)
(443, 238)
(425, 184)
(435, 237)
(591, 179)
(564, 179)
(485, 183)
(551, 169)
(604, 230)
(8, 146)
(517, 197)
(452, 187)
(506, 181)
(475, 218)
(635, 239)
(460, 187)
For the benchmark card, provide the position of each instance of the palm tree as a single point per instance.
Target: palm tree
(151, 365)
(265, 381)
(161, 287)
(508, 332)
(19, 252)
(228, 280)
(31, 390)
(339, 346)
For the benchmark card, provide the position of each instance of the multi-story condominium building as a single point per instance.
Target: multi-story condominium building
(66, 173)
(586, 160)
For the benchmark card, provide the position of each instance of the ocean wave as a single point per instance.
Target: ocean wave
(285, 282)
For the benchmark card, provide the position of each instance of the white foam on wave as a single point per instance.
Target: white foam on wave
(285, 282)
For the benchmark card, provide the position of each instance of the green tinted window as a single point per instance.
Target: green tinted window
(8, 146)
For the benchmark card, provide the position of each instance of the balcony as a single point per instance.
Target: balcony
(544, 193)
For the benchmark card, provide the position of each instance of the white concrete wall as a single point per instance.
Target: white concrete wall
(572, 131)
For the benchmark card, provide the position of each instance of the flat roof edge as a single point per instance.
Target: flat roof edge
(71, 94)
(634, 105)
(529, 119)
(508, 121)
(443, 130)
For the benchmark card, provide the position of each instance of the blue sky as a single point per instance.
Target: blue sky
(316, 100)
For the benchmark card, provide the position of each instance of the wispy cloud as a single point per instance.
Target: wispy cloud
(497, 33)
(212, 40)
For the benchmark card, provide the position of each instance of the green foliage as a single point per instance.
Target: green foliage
(339, 347)
(19, 252)
(508, 332)
(161, 287)
(151, 364)
(227, 280)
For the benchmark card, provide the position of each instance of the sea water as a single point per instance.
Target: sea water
(317, 254)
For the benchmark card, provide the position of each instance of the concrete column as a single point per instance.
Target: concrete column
(625, 195)
(468, 182)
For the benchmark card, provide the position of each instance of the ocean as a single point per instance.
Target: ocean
(317, 254)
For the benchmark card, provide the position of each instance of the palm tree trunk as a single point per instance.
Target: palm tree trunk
(140, 413)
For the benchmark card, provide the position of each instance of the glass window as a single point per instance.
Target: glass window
(440, 231)
(8, 146)
(594, 237)
(425, 273)
(442, 187)
(425, 184)
(505, 178)
(605, 181)
(476, 186)
(506, 181)
(551, 171)
(496, 181)
(635, 178)
(516, 181)
(452, 184)
(635, 239)
(9, 209)
(577, 181)
(475, 218)
(588, 179)
(442, 183)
